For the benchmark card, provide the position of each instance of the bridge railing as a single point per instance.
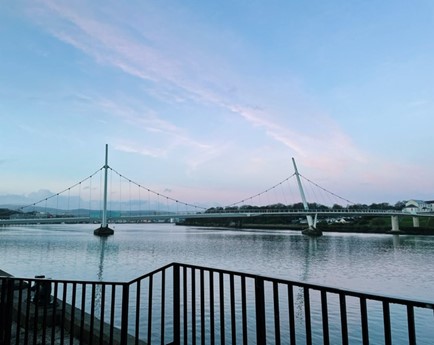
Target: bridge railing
(218, 213)
(295, 211)
(187, 304)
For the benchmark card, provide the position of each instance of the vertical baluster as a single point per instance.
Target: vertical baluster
(325, 318)
(27, 317)
(3, 314)
(185, 305)
(176, 305)
(112, 313)
(7, 301)
(151, 287)
(54, 317)
(261, 335)
(47, 296)
(137, 311)
(63, 317)
(73, 299)
(411, 326)
(211, 307)
(387, 327)
(276, 313)
(222, 309)
(19, 311)
(291, 314)
(233, 311)
(202, 307)
(364, 317)
(193, 306)
(83, 308)
(92, 313)
(163, 307)
(344, 323)
(307, 316)
(124, 320)
(36, 312)
(244, 309)
(102, 313)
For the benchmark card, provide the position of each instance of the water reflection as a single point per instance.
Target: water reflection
(103, 241)
(396, 239)
(375, 263)
(99, 250)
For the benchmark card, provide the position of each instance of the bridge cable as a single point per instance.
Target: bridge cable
(57, 194)
(129, 195)
(348, 201)
(283, 195)
(69, 194)
(90, 198)
(111, 194)
(79, 197)
(100, 195)
(120, 195)
(291, 194)
(158, 194)
(140, 203)
(261, 193)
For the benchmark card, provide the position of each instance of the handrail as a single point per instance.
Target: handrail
(349, 292)
(179, 302)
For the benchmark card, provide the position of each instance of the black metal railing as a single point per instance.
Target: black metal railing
(187, 304)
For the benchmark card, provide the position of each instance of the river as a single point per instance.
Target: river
(396, 265)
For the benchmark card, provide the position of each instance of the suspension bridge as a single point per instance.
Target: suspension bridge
(106, 196)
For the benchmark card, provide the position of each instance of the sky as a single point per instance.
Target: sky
(210, 100)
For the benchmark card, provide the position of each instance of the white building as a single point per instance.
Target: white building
(418, 206)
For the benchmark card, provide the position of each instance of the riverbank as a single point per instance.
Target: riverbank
(359, 230)
(363, 225)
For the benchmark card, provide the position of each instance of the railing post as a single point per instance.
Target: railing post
(364, 318)
(176, 305)
(6, 303)
(260, 311)
(2, 309)
(411, 325)
(124, 312)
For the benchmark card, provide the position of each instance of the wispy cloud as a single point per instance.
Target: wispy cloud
(148, 120)
(178, 79)
(140, 149)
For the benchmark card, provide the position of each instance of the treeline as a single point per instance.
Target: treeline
(313, 206)
(6, 213)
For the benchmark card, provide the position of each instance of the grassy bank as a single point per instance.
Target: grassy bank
(378, 225)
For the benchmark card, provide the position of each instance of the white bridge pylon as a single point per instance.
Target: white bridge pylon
(310, 222)
(104, 230)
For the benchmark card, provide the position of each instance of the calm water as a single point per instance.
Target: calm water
(392, 265)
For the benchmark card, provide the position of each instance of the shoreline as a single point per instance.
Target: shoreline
(421, 231)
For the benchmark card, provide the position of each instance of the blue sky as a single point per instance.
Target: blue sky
(210, 100)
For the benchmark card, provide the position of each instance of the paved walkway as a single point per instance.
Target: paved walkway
(40, 339)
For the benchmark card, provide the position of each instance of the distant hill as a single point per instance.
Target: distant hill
(8, 210)
(6, 213)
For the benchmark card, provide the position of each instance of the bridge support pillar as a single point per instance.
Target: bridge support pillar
(311, 230)
(395, 223)
(104, 229)
(416, 223)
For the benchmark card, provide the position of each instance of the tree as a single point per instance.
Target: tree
(400, 205)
